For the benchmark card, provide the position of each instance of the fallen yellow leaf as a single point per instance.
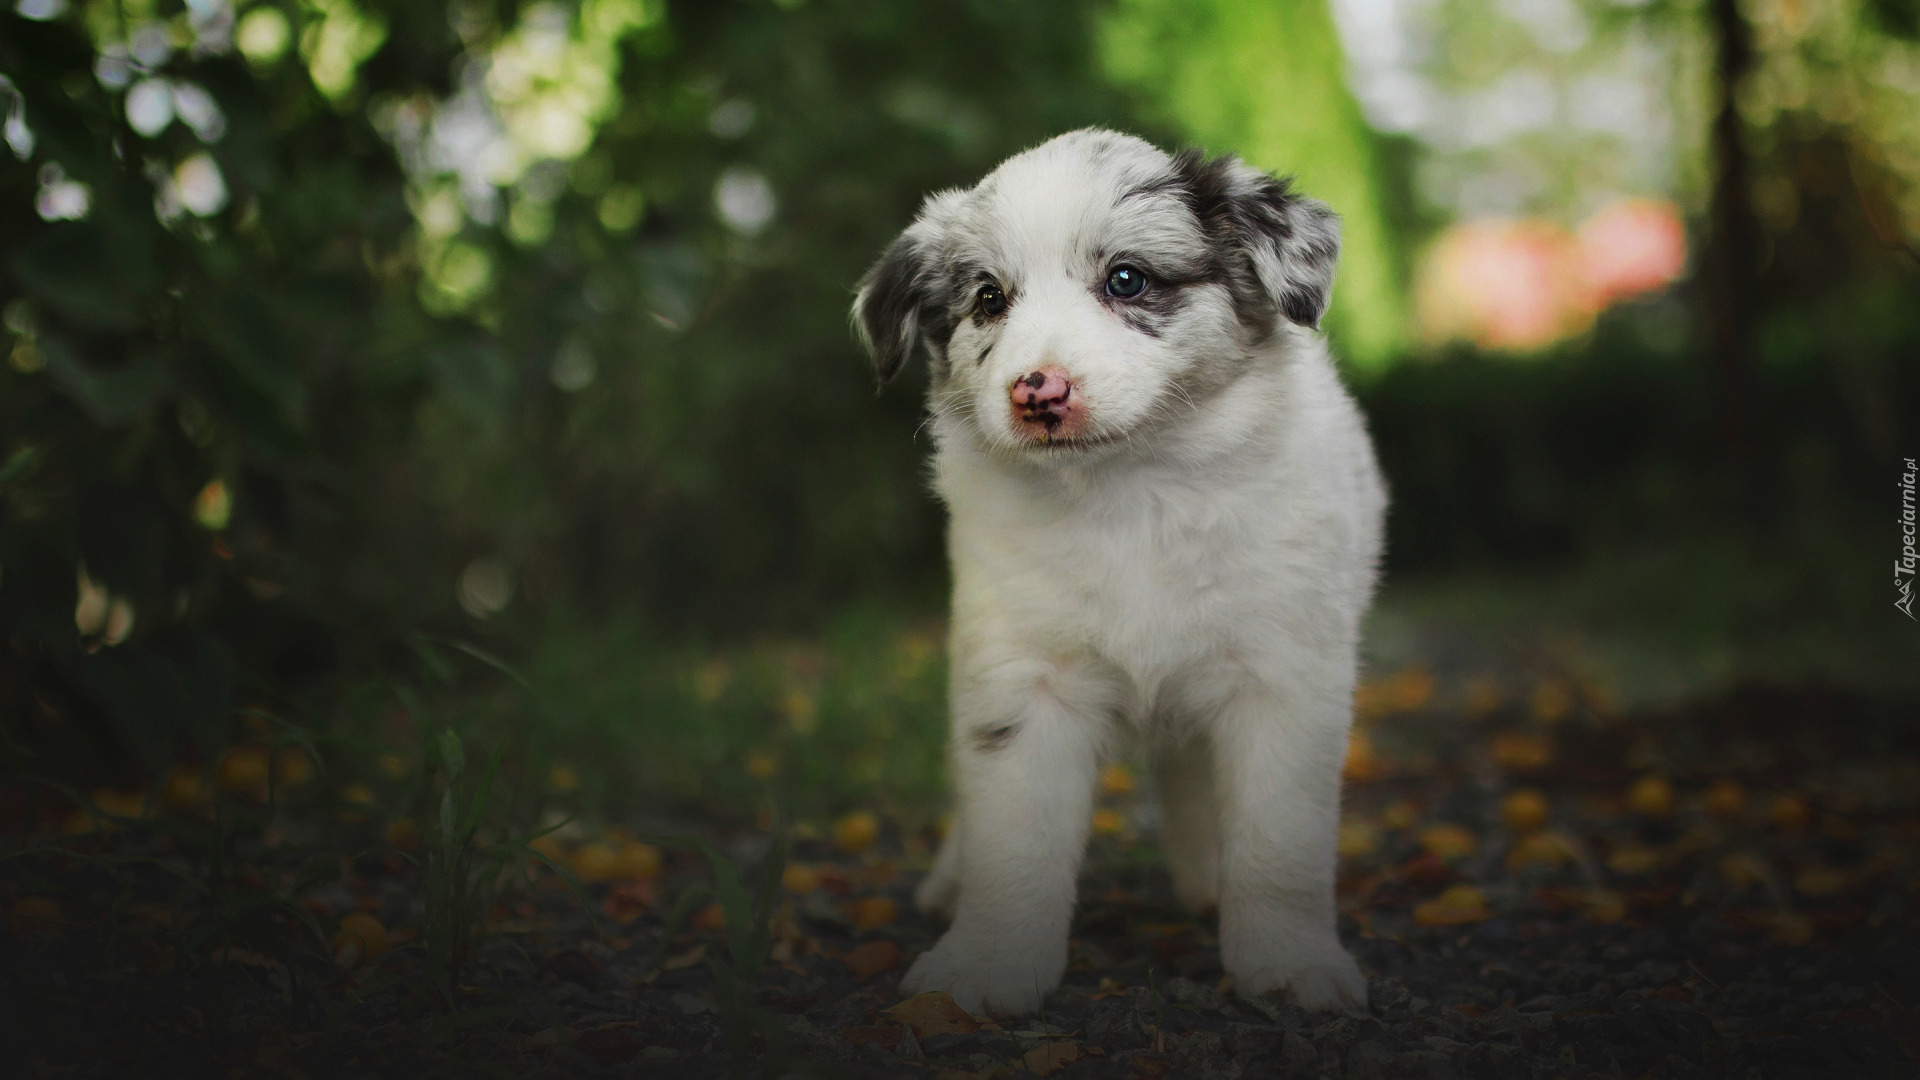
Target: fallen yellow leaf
(126, 804)
(1369, 701)
(1362, 763)
(1048, 1058)
(1546, 849)
(799, 880)
(596, 862)
(1524, 810)
(802, 711)
(1521, 751)
(185, 789)
(35, 917)
(1791, 928)
(1789, 813)
(1402, 815)
(1457, 906)
(627, 901)
(686, 959)
(873, 911)
(551, 846)
(1409, 690)
(1551, 702)
(1651, 796)
(243, 772)
(1448, 841)
(871, 959)
(1632, 859)
(404, 834)
(934, 1013)
(1725, 799)
(1357, 838)
(1743, 868)
(1600, 697)
(762, 765)
(292, 768)
(361, 939)
(634, 859)
(539, 1040)
(711, 917)
(856, 832)
(1820, 880)
(1604, 907)
(1484, 695)
(1117, 779)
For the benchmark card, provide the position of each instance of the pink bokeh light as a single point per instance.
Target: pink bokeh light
(1523, 284)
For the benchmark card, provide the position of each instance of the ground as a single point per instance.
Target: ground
(1536, 887)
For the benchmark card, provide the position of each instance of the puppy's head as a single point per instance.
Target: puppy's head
(1094, 287)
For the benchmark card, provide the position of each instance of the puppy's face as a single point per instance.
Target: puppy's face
(1094, 288)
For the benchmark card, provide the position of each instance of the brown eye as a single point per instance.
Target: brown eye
(991, 300)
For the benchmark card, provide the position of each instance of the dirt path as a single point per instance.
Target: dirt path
(1728, 892)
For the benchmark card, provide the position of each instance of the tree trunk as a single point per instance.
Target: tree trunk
(1732, 248)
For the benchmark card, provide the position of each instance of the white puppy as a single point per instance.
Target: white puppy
(1166, 516)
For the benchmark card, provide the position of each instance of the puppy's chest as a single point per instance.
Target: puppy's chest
(1153, 583)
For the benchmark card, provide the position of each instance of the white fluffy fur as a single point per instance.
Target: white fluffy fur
(1195, 574)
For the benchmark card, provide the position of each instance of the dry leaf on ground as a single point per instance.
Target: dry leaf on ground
(1458, 906)
(856, 832)
(934, 1014)
(873, 911)
(1051, 1057)
(872, 958)
(1449, 841)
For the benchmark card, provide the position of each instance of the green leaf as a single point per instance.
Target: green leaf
(761, 943)
(20, 464)
(92, 277)
(447, 840)
(735, 903)
(453, 753)
(483, 791)
(110, 397)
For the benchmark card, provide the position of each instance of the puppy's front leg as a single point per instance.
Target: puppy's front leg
(1278, 760)
(1024, 766)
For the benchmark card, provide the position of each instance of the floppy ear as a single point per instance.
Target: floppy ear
(886, 311)
(1288, 244)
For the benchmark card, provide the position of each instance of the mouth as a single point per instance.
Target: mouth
(1047, 441)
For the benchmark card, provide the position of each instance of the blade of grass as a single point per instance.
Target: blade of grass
(483, 791)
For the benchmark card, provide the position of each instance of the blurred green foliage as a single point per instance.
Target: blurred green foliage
(1269, 81)
(716, 462)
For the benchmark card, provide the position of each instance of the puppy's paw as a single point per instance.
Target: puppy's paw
(986, 977)
(1319, 978)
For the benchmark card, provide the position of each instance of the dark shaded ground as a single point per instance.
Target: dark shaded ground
(1730, 891)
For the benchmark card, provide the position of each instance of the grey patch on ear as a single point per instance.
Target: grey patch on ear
(988, 738)
(900, 302)
(887, 309)
(1306, 261)
(1275, 250)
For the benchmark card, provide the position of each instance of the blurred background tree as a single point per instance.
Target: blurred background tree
(335, 328)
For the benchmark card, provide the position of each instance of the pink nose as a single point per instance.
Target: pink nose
(1045, 407)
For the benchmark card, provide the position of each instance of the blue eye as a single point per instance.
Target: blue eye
(1126, 282)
